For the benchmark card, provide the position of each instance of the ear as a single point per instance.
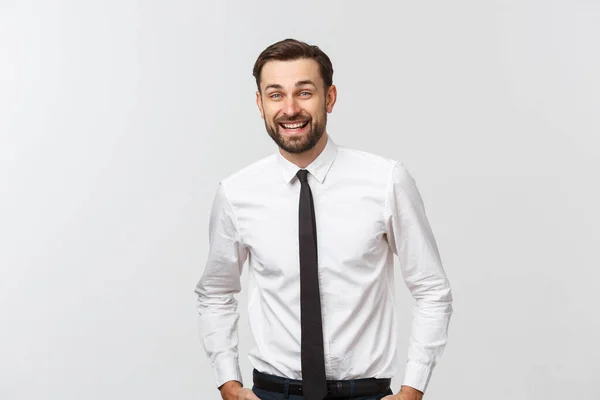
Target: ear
(259, 104)
(330, 98)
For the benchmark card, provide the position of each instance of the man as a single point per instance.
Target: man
(319, 224)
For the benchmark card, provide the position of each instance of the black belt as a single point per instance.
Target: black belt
(362, 387)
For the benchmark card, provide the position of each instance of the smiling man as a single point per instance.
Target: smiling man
(319, 224)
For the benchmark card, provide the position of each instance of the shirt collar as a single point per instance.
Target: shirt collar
(318, 168)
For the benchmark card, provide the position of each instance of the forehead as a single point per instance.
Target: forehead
(287, 73)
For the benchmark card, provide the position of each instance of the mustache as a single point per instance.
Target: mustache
(294, 118)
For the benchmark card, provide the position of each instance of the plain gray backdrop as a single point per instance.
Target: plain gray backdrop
(119, 118)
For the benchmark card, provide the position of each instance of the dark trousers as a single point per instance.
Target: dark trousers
(266, 395)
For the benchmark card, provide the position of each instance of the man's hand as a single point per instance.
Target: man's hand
(406, 393)
(233, 390)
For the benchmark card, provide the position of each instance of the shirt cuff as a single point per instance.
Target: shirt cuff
(417, 375)
(227, 369)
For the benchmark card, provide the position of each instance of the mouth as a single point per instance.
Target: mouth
(292, 128)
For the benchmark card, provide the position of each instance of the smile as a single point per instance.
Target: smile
(298, 125)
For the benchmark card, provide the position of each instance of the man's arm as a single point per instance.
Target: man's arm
(411, 239)
(216, 304)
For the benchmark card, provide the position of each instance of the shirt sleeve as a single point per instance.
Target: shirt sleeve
(411, 239)
(216, 304)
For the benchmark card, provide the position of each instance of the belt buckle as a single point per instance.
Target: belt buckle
(336, 388)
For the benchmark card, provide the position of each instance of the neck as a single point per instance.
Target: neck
(303, 160)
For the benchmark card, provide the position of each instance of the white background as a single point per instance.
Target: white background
(119, 118)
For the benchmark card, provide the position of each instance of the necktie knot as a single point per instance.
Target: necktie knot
(302, 175)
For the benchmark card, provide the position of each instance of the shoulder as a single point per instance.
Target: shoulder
(372, 164)
(251, 172)
(382, 171)
(249, 178)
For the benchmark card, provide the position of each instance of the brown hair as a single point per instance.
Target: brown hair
(290, 50)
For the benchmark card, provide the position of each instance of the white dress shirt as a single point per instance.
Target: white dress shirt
(367, 209)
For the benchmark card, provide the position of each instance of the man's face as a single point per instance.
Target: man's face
(293, 103)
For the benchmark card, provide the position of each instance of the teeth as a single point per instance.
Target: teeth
(293, 126)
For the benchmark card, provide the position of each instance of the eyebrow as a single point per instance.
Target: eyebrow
(299, 83)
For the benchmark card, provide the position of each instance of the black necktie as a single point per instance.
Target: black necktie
(314, 383)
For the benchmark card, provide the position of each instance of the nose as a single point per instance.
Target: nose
(291, 106)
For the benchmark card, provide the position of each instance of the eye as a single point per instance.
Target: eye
(305, 93)
(274, 95)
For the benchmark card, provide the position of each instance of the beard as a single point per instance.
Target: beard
(298, 144)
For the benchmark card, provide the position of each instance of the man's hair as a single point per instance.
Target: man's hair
(291, 50)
